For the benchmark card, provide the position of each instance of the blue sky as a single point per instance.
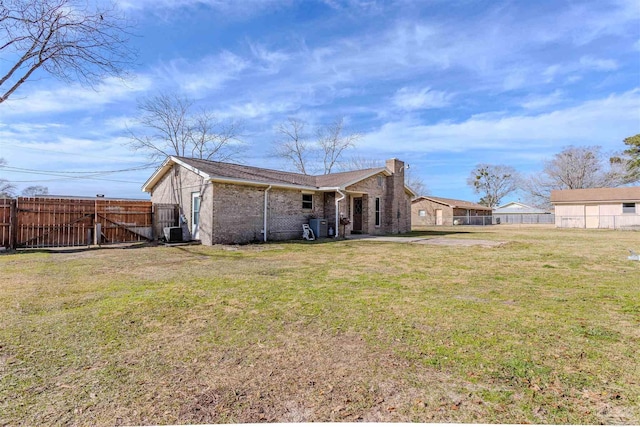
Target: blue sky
(442, 85)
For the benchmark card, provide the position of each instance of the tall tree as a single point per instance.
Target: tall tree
(68, 39)
(168, 126)
(35, 190)
(292, 144)
(332, 142)
(493, 182)
(415, 182)
(6, 188)
(575, 168)
(308, 156)
(633, 153)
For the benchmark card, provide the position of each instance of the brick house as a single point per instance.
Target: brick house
(428, 211)
(597, 207)
(230, 203)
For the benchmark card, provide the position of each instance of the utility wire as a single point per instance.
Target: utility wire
(38, 171)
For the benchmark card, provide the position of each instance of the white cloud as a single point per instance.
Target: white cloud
(208, 73)
(74, 97)
(231, 8)
(597, 122)
(418, 99)
(270, 60)
(537, 102)
(574, 69)
(590, 62)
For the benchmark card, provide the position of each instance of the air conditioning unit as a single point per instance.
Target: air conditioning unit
(172, 234)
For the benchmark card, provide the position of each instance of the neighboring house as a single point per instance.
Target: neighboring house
(597, 207)
(427, 211)
(230, 203)
(519, 213)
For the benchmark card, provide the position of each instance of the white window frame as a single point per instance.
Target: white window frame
(378, 214)
(307, 201)
(629, 208)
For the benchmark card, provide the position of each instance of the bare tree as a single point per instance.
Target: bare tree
(575, 168)
(168, 127)
(294, 145)
(415, 182)
(493, 182)
(6, 188)
(35, 190)
(67, 39)
(333, 142)
(359, 162)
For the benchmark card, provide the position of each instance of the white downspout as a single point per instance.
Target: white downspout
(264, 228)
(343, 196)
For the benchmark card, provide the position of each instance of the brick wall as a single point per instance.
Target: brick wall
(232, 213)
(372, 187)
(176, 187)
(430, 213)
(238, 213)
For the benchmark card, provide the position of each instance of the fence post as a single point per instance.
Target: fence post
(153, 222)
(13, 223)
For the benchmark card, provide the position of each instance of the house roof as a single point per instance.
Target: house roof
(454, 203)
(229, 172)
(619, 194)
(517, 208)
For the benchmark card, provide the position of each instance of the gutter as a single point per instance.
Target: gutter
(343, 196)
(266, 199)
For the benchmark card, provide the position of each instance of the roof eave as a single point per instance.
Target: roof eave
(226, 180)
(165, 167)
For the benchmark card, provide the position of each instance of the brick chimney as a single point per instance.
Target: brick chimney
(398, 209)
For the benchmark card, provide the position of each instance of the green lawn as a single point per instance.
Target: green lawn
(542, 329)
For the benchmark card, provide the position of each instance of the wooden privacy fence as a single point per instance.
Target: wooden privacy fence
(37, 222)
(6, 209)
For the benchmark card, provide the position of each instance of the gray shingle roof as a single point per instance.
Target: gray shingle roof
(271, 176)
(249, 173)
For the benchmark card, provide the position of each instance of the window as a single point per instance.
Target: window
(379, 181)
(307, 201)
(422, 213)
(628, 208)
(377, 211)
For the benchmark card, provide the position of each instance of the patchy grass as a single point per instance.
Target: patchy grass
(542, 329)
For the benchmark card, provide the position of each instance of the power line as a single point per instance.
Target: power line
(44, 172)
(63, 176)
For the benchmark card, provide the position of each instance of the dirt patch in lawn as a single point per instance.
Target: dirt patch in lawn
(443, 241)
(319, 377)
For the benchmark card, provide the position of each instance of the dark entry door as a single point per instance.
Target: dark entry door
(357, 214)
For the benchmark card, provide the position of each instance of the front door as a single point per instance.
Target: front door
(357, 215)
(438, 216)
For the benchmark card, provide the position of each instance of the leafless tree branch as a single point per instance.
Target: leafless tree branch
(67, 39)
(170, 128)
(295, 147)
(293, 144)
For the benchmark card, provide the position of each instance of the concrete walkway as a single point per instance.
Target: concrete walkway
(441, 241)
